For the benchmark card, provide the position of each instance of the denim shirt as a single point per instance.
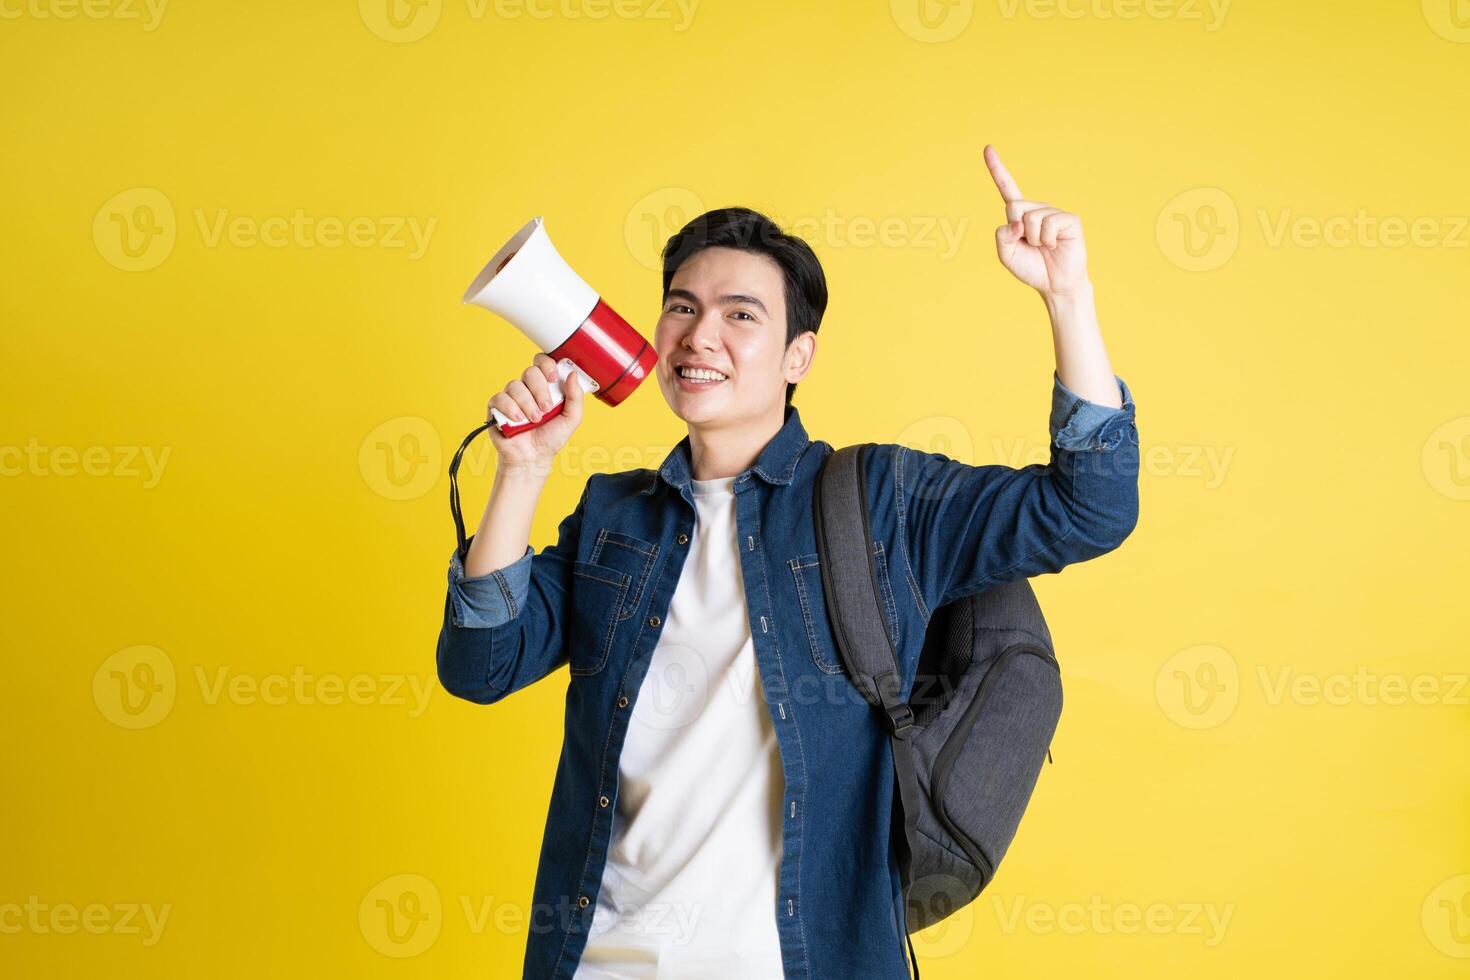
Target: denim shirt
(595, 600)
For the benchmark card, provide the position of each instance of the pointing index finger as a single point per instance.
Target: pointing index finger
(1003, 180)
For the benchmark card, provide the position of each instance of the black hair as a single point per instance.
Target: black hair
(751, 231)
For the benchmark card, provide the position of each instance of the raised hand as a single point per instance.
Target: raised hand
(1040, 245)
(526, 398)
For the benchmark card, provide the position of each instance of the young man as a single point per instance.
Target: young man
(723, 801)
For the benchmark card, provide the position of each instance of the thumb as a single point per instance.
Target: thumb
(572, 392)
(1009, 233)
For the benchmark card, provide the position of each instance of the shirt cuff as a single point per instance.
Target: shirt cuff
(1079, 425)
(492, 599)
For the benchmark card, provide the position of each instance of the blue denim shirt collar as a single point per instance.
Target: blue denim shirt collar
(776, 463)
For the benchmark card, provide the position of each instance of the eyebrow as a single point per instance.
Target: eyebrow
(731, 298)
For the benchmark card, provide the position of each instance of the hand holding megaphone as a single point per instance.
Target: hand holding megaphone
(543, 398)
(546, 384)
(529, 284)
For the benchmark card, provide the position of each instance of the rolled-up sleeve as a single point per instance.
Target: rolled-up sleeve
(965, 528)
(1078, 424)
(488, 600)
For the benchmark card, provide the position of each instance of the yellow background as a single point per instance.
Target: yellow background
(309, 397)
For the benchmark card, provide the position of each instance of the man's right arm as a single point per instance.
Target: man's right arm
(507, 607)
(504, 628)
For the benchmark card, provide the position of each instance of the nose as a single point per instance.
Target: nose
(704, 334)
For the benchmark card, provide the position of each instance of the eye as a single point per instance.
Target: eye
(744, 314)
(676, 307)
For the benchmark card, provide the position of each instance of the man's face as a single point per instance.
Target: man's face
(726, 309)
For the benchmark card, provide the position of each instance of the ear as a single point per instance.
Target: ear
(799, 355)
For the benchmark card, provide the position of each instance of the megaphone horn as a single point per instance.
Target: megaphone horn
(529, 284)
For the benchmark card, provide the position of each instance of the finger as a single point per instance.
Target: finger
(1058, 227)
(535, 379)
(572, 398)
(506, 406)
(1049, 230)
(1002, 177)
(1016, 209)
(1032, 221)
(1008, 235)
(524, 398)
(548, 367)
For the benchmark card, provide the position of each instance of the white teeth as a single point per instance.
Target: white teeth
(700, 374)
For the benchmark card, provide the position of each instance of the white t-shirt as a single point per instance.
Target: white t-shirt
(689, 889)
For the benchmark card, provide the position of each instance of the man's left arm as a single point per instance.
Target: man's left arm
(966, 527)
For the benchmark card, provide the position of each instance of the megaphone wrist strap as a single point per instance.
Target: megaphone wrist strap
(454, 510)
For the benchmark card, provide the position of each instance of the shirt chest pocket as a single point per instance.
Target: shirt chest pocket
(806, 570)
(607, 590)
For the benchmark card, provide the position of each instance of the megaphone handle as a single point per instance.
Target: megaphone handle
(557, 389)
(508, 430)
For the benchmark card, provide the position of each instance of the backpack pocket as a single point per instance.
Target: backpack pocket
(984, 775)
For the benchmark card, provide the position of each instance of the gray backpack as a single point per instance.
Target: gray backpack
(969, 742)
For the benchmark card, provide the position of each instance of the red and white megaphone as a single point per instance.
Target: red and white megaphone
(530, 285)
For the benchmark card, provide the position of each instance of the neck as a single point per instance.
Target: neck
(729, 451)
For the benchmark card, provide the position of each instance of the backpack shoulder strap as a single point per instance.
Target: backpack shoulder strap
(850, 580)
(850, 583)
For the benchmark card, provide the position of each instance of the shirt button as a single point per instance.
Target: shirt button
(623, 701)
(654, 620)
(683, 539)
(602, 801)
(583, 901)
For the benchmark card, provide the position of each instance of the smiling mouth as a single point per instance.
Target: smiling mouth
(703, 380)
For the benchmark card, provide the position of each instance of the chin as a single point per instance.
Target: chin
(700, 414)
